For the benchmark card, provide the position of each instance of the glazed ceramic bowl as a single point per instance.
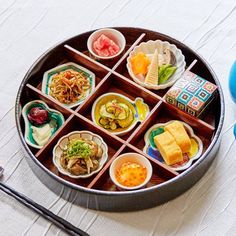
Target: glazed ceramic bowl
(138, 116)
(154, 152)
(54, 115)
(113, 34)
(47, 78)
(149, 48)
(133, 158)
(62, 143)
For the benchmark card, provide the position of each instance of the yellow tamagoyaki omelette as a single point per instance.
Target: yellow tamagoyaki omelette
(169, 149)
(180, 135)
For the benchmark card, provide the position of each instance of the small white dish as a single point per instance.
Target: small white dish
(137, 116)
(47, 78)
(149, 48)
(130, 157)
(113, 34)
(63, 141)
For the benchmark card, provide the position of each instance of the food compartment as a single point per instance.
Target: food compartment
(45, 112)
(75, 123)
(90, 37)
(196, 96)
(31, 93)
(208, 117)
(165, 114)
(209, 114)
(158, 175)
(83, 59)
(123, 70)
(115, 84)
(58, 63)
(155, 65)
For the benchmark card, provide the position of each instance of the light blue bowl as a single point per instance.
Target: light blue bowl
(232, 81)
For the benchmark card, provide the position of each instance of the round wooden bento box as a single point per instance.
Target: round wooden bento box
(98, 191)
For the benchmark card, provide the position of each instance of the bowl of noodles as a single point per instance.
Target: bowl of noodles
(69, 84)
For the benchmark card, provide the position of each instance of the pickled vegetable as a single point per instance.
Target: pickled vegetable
(38, 116)
(42, 134)
(115, 115)
(126, 122)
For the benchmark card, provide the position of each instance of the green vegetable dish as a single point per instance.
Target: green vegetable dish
(165, 72)
(81, 156)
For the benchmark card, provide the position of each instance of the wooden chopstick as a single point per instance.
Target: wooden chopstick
(60, 222)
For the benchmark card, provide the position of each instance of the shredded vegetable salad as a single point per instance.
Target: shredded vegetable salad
(69, 86)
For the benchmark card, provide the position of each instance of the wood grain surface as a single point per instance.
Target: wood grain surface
(28, 28)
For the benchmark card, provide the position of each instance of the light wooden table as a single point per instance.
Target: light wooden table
(29, 27)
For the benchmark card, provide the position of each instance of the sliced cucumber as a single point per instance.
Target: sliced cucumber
(103, 121)
(125, 111)
(111, 109)
(113, 125)
(104, 113)
(126, 122)
(114, 115)
(114, 108)
(106, 126)
(110, 106)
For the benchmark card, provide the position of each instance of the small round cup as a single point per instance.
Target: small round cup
(130, 157)
(113, 34)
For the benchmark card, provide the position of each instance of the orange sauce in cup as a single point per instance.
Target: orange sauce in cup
(131, 174)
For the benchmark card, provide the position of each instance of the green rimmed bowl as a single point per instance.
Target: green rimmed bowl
(47, 78)
(56, 119)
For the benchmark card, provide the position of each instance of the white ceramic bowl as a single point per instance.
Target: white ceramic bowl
(130, 157)
(58, 149)
(149, 48)
(136, 115)
(113, 34)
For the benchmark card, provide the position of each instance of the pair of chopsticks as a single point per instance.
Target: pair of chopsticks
(58, 221)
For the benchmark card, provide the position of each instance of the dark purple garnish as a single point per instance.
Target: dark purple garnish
(38, 116)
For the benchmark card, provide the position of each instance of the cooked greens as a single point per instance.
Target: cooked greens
(165, 72)
(78, 148)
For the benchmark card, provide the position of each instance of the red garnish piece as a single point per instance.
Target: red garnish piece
(105, 46)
